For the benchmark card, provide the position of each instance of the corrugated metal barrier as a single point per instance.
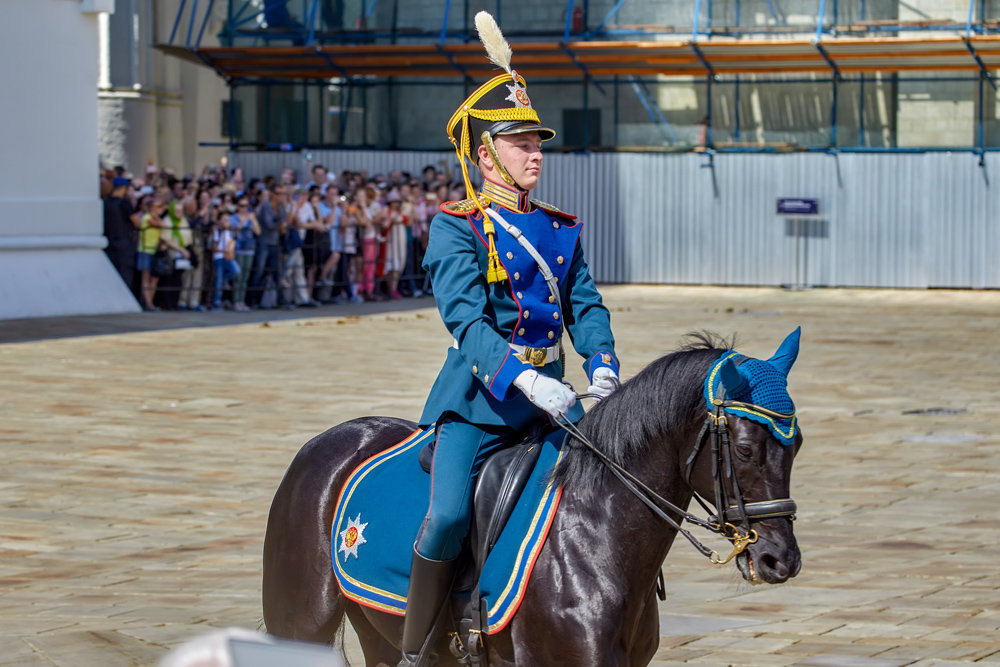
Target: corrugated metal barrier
(885, 220)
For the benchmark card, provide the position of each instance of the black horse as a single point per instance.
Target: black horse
(591, 599)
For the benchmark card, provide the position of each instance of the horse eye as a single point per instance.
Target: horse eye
(745, 451)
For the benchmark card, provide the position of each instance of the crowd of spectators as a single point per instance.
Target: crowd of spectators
(220, 241)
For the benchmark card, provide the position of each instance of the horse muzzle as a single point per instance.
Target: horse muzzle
(773, 558)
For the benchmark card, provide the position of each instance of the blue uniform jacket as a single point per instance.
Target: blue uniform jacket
(476, 379)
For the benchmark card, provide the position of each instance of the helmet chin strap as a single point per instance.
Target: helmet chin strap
(487, 141)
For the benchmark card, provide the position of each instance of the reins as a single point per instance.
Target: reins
(724, 521)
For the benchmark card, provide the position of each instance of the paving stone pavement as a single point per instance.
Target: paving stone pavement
(139, 468)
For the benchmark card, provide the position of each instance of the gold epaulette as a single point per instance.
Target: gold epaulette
(463, 206)
(549, 208)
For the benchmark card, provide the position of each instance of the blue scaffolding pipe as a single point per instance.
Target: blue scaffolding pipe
(243, 12)
(833, 116)
(774, 13)
(444, 22)
(310, 20)
(190, 28)
(609, 15)
(653, 109)
(708, 17)
(708, 120)
(979, 113)
(915, 149)
(704, 61)
(610, 80)
(180, 13)
(736, 113)
(615, 118)
(236, 17)
(330, 61)
(204, 21)
(979, 61)
(861, 113)
(454, 63)
(829, 61)
(583, 68)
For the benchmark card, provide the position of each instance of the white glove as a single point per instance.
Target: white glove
(603, 382)
(547, 393)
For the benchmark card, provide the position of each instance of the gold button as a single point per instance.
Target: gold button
(519, 296)
(527, 314)
(520, 332)
(475, 370)
(552, 334)
(555, 225)
(556, 314)
(510, 255)
(486, 378)
(552, 299)
(517, 276)
(560, 259)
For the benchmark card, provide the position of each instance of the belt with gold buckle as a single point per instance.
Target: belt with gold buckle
(536, 356)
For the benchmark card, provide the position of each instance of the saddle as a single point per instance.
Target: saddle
(499, 484)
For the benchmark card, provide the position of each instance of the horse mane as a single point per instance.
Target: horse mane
(658, 402)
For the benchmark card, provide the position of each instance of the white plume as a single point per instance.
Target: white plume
(497, 48)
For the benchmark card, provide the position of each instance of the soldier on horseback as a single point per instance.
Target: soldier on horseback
(509, 278)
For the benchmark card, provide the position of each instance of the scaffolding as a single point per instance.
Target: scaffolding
(850, 58)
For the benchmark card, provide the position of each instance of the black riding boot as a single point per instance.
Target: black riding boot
(430, 583)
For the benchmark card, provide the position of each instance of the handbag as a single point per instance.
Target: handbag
(192, 257)
(162, 265)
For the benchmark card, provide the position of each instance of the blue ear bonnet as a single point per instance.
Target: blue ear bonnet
(759, 383)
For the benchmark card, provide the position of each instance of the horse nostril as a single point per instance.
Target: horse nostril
(776, 570)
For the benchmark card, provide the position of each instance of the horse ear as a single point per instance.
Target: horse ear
(787, 352)
(731, 379)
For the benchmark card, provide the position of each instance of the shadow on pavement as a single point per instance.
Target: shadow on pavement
(40, 328)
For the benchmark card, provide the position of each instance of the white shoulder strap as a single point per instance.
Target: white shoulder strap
(543, 266)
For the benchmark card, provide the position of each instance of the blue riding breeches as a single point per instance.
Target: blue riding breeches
(461, 449)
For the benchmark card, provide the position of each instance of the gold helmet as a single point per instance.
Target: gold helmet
(500, 106)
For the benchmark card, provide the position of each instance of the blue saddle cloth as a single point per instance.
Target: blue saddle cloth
(382, 505)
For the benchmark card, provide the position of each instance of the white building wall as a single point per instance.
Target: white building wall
(156, 108)
(51, 218)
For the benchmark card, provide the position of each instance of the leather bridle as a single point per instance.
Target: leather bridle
(732, 511)
(733, 515)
